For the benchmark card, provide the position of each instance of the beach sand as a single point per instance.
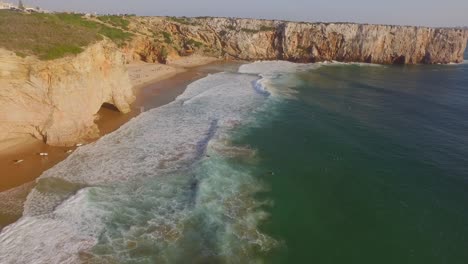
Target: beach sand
(155, 85)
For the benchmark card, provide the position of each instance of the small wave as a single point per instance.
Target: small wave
(277, 78)
(465, 62)
(267, 68)
(261, 87)
(360, 64)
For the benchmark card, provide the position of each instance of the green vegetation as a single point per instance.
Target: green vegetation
(116, 35)
(116, 21)
(267, 28)
(20, 54)
(60, 51)
(248, 30)
(52, 36)
(262, 28)
(167, 37)
(71, 19)
(164, 54)
(195, 43)
(252, 31)
(182, 20)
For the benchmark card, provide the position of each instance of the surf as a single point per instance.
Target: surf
(162, 185)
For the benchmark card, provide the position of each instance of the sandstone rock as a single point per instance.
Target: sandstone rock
(253, 39)
(57, 101)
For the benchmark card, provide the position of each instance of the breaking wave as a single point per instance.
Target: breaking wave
(166, 187)
(163, 188)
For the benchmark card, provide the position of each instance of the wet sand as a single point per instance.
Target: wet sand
(16, 180)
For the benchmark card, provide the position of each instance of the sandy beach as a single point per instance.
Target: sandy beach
(155, 85)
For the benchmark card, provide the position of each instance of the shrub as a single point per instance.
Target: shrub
(20, 54)
(248, 30)
(163, 55)
(267, 28)
(262, 28)
(167, 37)
(182, 20)
(195, 43)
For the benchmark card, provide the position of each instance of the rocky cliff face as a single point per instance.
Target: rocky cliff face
(57, 101)
(251, 39)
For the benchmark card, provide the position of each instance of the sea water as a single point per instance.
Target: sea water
(273, 163)
(370, 165)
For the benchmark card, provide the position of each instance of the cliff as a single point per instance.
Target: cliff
(252, 39)
(57, 101)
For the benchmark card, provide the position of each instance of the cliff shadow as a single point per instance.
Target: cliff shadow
(110, 107)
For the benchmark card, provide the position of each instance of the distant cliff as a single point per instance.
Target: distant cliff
(57, 101)
(252, 39)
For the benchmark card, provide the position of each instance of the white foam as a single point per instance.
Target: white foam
(158, 142)
(42, 240)
(277, 78)
(11, 201)
(361, 64)
(149, 184)
(275, 67)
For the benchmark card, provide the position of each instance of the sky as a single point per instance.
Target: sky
(398, 12)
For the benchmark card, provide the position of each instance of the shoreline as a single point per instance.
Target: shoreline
(156, 85)
(16, 184)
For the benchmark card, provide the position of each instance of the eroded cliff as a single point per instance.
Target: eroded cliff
(252, 39)
(57, 101)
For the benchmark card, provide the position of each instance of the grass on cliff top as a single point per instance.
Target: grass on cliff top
(116, 21)
(52, 36)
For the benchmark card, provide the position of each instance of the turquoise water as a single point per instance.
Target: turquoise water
(370, 165)
(272, 163)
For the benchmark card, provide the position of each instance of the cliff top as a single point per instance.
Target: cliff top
(52, 36)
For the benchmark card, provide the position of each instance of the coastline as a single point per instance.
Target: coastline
(154, 85)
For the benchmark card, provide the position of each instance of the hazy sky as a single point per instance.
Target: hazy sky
(406, 12)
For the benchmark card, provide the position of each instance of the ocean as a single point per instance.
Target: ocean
(273, 162)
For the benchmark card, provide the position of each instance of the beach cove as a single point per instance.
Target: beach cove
(301, 142)
(154, 85)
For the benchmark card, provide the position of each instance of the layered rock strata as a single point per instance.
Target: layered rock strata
(253, 39)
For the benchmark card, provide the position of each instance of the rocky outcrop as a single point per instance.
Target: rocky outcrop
(251, 39)
(144, 48)
(57, 101)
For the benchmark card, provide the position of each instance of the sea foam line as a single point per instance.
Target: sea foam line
(163, 141)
